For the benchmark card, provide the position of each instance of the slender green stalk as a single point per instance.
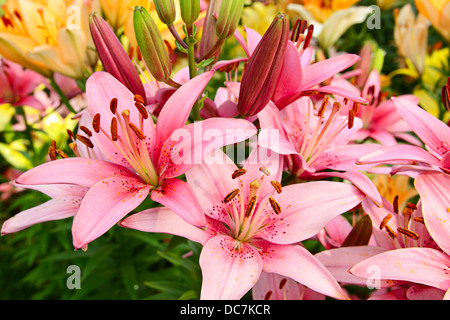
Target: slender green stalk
(61, 94)
(28, 128)
(191, 41)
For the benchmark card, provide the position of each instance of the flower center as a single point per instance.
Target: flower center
(129, 141)
(249, 214)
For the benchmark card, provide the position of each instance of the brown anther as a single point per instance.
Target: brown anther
(113, 105)
(323, 106)
(337, 105)
(355, 108)
(114, 132)
(391, 232)
(70, 134)
(265, 171)
(395, 204)
(86, 131)
(308, 36)
(351, 118)
(61, 153)
(408, 233)
(345, 101)
(250, 206)
(237, 173)
(275, 205)
(308, 93)
(138, 98)
(231, 195)
(53, 144)
(411, 206)
(137, 131)
(282, 283)
(268, 294)
(277, 186)
(385, 221)
(419, 219)
(142, 110)
(52, 153)
(85, 141)
(139, 54)
(407, 211)
(96, 122)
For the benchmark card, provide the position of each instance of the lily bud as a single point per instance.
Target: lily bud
(264, 66)
(165, 10)
(151, 45)
(190, 10)
(446, 95)
(114, 58)
(228, 20)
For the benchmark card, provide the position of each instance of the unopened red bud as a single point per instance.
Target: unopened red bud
(264, 66)
(114, 58)
(446, 95)
(151, 45)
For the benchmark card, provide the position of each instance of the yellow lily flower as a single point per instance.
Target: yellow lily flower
(411, 36)
(321, 10)
(48, 36)
(392, 186)
(438, 12)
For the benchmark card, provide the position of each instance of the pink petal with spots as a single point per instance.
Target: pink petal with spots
(419, 265)
(229, 269)
(176, 111)
(433, 189)
(433, 132)
(105, 203)
(65, 203)
(188, 146)
(80, 171)
(420, 292)
(286, 259)
(178, 196)
(268, 288)
(307, 207)
(211, 182)
(164, 220)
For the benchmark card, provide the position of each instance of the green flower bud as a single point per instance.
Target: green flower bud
(151, 45)
(165, 10)
(190, 10)
(229, 16)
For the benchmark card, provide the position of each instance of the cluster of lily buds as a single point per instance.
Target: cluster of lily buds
(114, 58)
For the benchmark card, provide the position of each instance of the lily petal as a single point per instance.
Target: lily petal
(420, 265)
(228, 271)
(285, 260)
(164, 220)
(177, 195)
(105, 203)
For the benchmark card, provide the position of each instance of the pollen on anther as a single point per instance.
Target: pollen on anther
(395, 204)
(113, 105)
(351, 118)
(408, 233)
(239, 172)
(385, 221)
(231, 195)
(391, 232)
(267, 296)
(250, 206)
(277, 186)
(86, 131)
(265, 171)
(282, 283)
(142, 110)
(138, 98)
(114, 133)
(85, 141)
(137, 131)
(275, 205)
(96, 123)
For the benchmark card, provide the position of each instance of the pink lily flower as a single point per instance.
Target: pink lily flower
(272, 286)
(314, 141)
(418, 250)
(123, 156)
(253, 225)
(18, 84)
(434, 133)
(381, 121)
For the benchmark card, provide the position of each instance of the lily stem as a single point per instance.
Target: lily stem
(191, 41)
